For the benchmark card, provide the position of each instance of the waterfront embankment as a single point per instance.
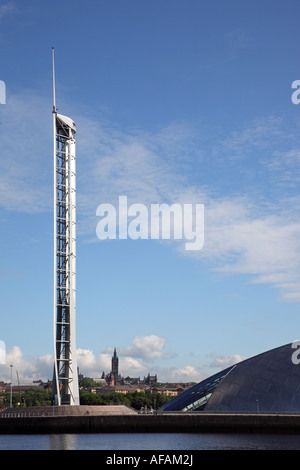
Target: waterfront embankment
(123, 420)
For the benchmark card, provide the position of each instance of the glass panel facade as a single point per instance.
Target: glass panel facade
(196, 398)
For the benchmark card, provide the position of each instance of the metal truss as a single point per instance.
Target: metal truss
(65, 389)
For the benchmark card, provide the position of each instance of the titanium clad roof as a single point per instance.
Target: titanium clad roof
(268, 382)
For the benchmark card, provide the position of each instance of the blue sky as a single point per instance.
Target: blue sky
(185, 101)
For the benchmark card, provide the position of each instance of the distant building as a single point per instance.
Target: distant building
(150, 379)
(121, 389)
(115, 365)
(23, 387)
(168, 391)
(114, 378)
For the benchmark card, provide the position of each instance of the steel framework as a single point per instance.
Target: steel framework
(65, 390)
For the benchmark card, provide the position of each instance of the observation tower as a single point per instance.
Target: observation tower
(65, 389)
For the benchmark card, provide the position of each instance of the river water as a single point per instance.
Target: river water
(157, 441)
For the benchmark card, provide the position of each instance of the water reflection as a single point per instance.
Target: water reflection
(63, 441)
(157, 441)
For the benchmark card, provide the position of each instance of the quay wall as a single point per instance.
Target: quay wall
(162, 423)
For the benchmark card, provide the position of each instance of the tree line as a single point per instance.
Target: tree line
(135, 400)
(42, 397)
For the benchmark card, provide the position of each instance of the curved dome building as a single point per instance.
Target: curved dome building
(268, 382)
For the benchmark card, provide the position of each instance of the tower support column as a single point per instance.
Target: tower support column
(65, 388)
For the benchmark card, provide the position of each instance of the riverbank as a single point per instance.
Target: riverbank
(131, 422)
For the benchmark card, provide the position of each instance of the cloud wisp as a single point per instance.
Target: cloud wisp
(135, 360)
(250, 233)
(7, 9)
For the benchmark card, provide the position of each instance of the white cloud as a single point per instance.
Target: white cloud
(146, 348)
(25, 165)
(266, 248)
(184, 374)
(135, 361)
(131, 367)
(244, 234)
(90, 365)
(260, 242)
(222, 362)
(28, 369)
(262, 135)
(86, 359)
(2, 352)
